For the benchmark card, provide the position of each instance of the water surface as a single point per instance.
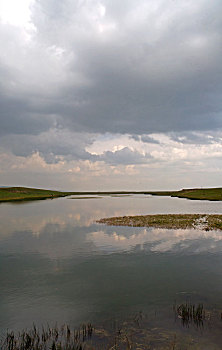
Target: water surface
(58, 265)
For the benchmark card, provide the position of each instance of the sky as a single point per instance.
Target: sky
(111, 95)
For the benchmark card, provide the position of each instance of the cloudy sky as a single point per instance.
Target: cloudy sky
(110, 94)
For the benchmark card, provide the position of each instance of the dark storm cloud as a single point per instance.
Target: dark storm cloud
(124, 156)
(145, 75)
(144, 138)
(196, 138)
(50, 145)
(18, 117)
(118, 67)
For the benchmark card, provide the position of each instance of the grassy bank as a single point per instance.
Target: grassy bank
(168, 221)
(211, 194)
(22, 193)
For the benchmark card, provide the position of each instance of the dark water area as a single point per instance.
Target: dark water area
(58, 265)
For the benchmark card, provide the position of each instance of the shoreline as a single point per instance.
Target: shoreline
(24, 193)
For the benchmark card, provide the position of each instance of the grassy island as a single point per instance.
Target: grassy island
(24, 193)
(169, 221)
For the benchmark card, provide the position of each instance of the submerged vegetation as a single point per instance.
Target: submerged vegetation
(169, 221)
(83, 197)
(140, 331)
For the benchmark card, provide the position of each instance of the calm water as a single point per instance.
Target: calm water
(57, 264)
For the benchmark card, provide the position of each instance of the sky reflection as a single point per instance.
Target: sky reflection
(57, 263)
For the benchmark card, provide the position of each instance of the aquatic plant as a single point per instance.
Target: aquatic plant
(190, 313)
(48, 338)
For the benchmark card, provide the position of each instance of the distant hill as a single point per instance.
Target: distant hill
(211, 194)
(24, 193)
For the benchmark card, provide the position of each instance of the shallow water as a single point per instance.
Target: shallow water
(58, 265)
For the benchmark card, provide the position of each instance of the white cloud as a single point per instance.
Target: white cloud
(17, 13)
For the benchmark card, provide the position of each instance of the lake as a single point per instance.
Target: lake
(58, 265)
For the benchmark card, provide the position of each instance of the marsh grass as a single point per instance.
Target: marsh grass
(55, 338)
(139, 332)
(158, 221)
(190, 314)
(169, 221)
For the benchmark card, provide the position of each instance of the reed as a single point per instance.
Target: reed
(190, 313)
(54, 338)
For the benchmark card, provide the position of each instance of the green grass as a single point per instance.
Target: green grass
(169, 221)
(211, 194)
(24, 193)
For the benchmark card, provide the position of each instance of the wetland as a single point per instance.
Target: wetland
(148, 287)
